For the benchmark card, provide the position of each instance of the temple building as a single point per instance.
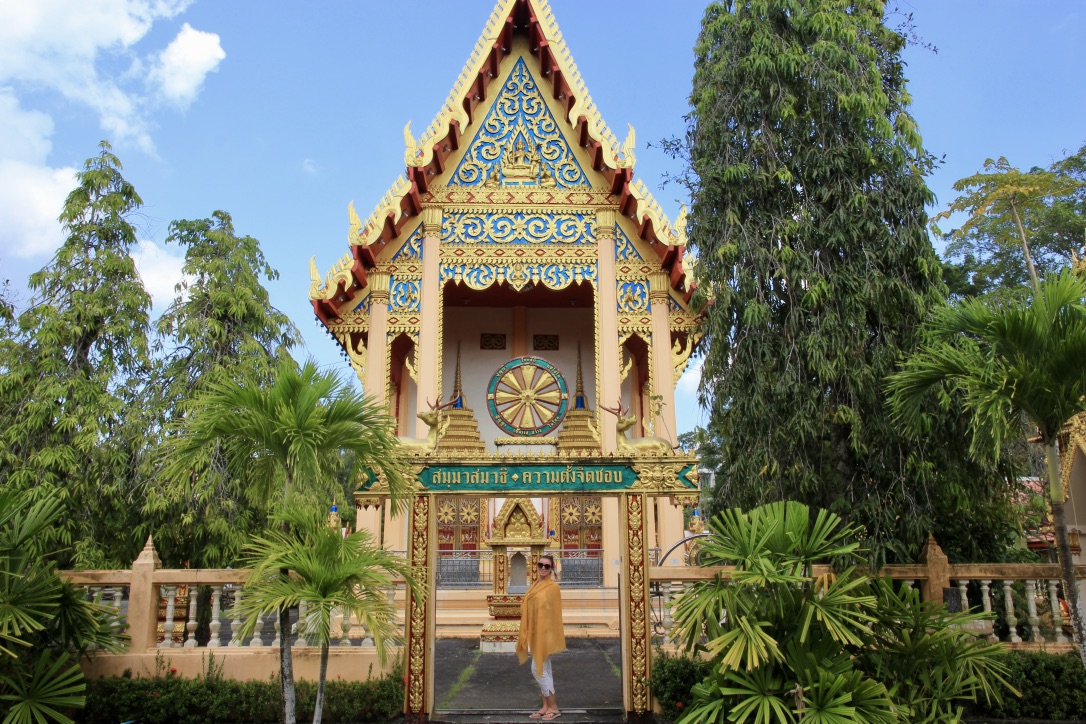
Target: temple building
(521, 304)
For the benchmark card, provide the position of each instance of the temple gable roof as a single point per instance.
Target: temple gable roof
(520, 141)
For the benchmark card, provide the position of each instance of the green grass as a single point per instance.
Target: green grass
(460, 681)
(615, 668)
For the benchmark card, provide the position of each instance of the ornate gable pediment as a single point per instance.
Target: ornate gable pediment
(519, 143)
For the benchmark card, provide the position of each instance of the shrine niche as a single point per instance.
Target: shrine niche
(517, 525)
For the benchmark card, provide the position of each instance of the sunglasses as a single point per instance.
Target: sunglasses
(544, 566)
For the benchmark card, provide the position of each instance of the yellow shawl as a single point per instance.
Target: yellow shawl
(541, 630)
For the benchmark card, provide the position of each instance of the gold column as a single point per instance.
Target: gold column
(419, 614)
(608, 390)
(663, 379)
(637, 634)
(428, 358)
(376, 382)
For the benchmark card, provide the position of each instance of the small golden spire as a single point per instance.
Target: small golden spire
(578, 396)
(458, 390)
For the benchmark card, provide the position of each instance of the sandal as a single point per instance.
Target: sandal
(552, 715)
(536, 715)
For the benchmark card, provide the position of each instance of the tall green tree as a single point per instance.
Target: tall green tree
(68, 374)
(220, 326)
(1005, 360)
(807, 178)
(333, 574)
(285, 439)
(1018, 226)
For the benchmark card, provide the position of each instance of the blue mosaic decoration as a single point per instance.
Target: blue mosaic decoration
(633, 297)
(519, 143)
(520, 274)
(527, 396)
(404, 295)
(468, 228)
(412, 248)
(624, 248)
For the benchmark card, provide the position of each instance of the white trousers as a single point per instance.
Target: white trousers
(546, 681)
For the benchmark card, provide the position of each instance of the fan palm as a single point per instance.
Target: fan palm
(1004, 360)
(329, 572)
(42, 618)
(782, 640)
(286, 439)
(794, 643)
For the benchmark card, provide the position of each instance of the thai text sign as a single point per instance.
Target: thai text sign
(525, 478)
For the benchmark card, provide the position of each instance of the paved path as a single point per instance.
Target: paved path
(472, 686)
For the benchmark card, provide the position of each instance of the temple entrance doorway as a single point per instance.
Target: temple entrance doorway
(477, 673)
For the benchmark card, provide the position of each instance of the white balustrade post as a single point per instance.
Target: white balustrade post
(190, 626)
(115, 622)
(216, 613)
(94, 595)
(235, 622)
(963, 594)
(300, 626)
(258, 629)
(345, 629)
(167, 627)
(986, 604)
(1057, 612)
(1031, 607)
(1010, 618)
(277, 641)
(909, 583)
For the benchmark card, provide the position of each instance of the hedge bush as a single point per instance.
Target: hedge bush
(1053, 688)
(671, 679)
(170, 699)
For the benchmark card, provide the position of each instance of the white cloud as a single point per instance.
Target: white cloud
(85, 54)
(691, 379)
(24, 135)
(183, 65)
(69, 46)
(31, 198)
(160, 271)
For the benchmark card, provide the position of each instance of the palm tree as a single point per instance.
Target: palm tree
(330, 572)
(42, 618)
(1005, 360)
(286, 440)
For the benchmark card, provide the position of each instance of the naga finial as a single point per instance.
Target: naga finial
(314, 278)
(680, 226)
(355, 229)
(628, 156)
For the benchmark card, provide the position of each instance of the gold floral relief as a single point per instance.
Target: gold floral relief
(638, 603)
(416, 606)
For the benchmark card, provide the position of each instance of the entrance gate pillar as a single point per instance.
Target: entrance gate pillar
(419, 618)
(634, 607)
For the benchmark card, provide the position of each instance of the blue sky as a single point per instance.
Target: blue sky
(282, 113)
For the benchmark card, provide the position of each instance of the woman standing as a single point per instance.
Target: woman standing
(542, 633)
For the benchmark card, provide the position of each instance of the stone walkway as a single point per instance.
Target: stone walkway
(476, 688)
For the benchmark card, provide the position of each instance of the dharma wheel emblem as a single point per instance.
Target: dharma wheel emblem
(527, 396)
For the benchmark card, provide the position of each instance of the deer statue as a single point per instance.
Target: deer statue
(635, 445)
(432, 418)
